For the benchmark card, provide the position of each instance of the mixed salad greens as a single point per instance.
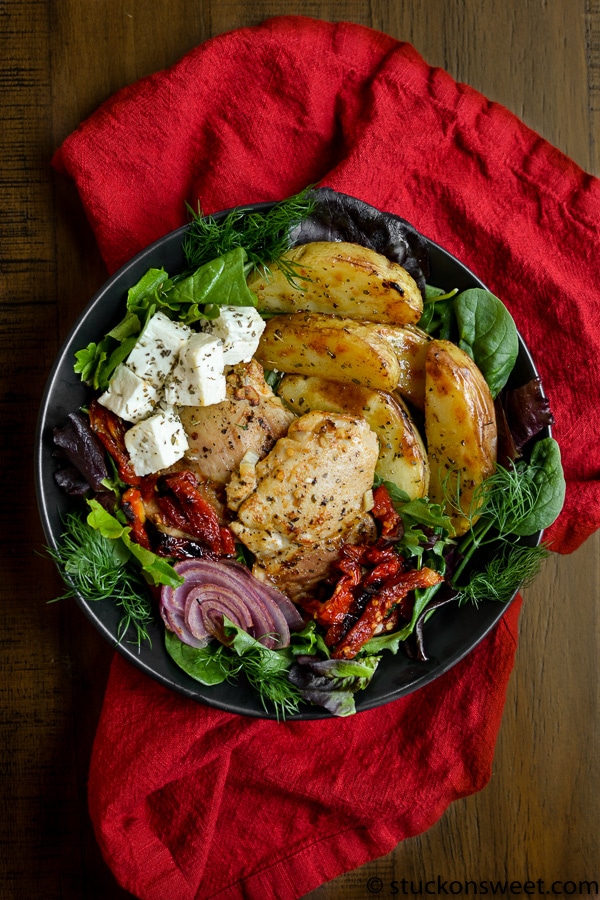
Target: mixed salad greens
(101, 558)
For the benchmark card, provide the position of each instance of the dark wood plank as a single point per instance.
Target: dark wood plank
(59, 62)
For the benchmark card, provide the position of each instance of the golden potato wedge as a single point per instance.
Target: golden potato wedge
(460, 428)
(332, 347)
(341, 278)
(410, 346)
(402, 456)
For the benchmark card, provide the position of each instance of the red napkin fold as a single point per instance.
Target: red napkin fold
(190, 802)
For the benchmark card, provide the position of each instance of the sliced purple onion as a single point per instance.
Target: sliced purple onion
(289, 609)
(214, 608)
(211, 590)
(174, 621)
(204, 600)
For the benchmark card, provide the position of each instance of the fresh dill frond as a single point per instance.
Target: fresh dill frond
(515, 568)
(88, 561)
(263, 235)
(499, 507)
(506, 497)
(267, 676)
(134, 601)
(96, 568)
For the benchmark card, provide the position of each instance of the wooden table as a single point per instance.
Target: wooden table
(538, 818)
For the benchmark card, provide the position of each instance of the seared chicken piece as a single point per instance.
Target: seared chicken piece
(297, 505)
(251, 419)
(297, 571)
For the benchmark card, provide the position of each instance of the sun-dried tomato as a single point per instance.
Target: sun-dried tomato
(227, 541)
(384, 512)
(133, 507)
(337, 606)
(200, 520)
(171, 512)
(380, 606)
(382, 572)
(110, 430)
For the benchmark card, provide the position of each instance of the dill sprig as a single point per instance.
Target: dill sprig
(266, 675)
(500, 506)
(266, 671)
(507, 498)
(96, 569)
(516, 568)
(263, 235)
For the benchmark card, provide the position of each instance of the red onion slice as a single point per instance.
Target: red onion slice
(289, 609)
(174, 621)
(214, 589)
(204, 599)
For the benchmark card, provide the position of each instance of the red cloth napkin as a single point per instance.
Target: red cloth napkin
(190, 802)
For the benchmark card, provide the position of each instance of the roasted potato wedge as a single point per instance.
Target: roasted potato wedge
(402, 456)
(410, 346)
(332, 347)
(460, 428)
(341, 278)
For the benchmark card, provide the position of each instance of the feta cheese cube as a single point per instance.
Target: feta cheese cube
(128, 395)
(155, 353)
(156, 443)
(240, 328)
(198, 378)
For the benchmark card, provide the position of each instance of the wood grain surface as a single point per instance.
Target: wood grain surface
(538, 818)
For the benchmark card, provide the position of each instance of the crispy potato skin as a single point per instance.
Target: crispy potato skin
(410, 346)
(460, 426)
(335, 348)
(344, 279)
(402, 456)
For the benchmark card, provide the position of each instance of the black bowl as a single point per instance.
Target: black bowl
(450, 635)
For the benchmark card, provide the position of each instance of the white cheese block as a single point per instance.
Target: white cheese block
(156, 443)
(198, 378)
(240, 328)
(155, 353)
(128, 395)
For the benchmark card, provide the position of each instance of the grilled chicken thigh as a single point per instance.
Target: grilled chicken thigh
(308, 495)
(251, 418)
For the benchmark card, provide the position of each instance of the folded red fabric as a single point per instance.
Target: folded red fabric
(191, 802)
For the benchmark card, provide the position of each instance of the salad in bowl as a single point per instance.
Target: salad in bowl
(295, 459)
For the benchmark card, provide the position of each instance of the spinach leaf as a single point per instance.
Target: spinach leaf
(140, 296)
(438, 318)
(208, 665)
(265, 669)
(308, 642)
(220, 282)
(547, 479)
(488, 334)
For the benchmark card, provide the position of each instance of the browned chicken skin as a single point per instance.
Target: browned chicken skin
(310, 493)
(251, 419)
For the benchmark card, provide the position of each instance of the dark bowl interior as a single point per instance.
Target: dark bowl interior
(451, 634)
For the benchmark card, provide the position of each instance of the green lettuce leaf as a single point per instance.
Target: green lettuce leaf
(155, 569)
